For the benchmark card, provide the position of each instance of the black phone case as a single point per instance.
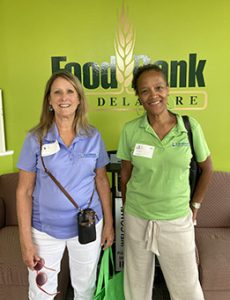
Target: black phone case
(86, 226)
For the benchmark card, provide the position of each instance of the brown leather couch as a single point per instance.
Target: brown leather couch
(13, 273)
(213, 238)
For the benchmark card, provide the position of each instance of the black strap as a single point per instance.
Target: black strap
(188, 127)
(59, 184)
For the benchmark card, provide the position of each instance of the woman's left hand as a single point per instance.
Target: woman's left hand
(194, 214)
(107, 238)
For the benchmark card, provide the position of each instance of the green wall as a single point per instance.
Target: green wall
(85, 31)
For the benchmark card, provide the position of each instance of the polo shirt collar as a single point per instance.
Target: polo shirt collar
(180, 124)
(53, 135)
(144, 122)
(179, 128)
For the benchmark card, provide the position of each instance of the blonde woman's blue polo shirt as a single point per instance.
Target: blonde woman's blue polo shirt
(75, 168)
(159, 185)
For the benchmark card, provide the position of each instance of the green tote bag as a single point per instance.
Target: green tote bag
(109, 286)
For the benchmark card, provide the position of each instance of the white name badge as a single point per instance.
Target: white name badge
(143, 150)
(49, 149)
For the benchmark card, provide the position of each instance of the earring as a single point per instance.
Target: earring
(50, 108)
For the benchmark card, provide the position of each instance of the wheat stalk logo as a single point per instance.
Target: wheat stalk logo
(124, 45)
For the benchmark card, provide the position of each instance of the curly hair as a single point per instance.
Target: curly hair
(146, 68)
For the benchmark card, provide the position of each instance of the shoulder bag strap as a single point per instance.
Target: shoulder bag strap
(59, 184)
(188, 127)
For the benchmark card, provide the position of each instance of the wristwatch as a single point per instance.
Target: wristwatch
(196, 205)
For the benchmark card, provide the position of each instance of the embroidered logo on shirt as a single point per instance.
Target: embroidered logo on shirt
(180, 144)
(88, 155)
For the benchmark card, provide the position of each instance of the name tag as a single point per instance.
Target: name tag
(49, 149)
(143, 150)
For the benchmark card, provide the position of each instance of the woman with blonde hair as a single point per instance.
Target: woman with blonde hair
(64, 145)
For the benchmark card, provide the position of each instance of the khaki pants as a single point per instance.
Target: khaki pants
(174, 244)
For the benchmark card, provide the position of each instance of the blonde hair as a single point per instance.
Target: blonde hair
(47, 116)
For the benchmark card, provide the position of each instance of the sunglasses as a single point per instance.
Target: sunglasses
(42, 277)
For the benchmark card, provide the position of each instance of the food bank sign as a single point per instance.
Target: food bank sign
(109, 82)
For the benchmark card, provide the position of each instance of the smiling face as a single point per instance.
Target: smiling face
(63, 98)
(153, 91)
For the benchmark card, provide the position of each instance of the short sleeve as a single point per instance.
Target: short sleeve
(28, 157)
(199, 142)
(124, 151)
(103, 158)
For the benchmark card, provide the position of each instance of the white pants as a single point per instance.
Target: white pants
(83, 260)
(174, 244)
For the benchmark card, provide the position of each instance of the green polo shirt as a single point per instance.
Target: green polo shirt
(159, 186)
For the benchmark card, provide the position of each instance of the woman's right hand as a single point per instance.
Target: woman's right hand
(29, 256)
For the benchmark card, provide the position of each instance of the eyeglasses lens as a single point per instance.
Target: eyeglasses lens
(39, 265)
(42, 277)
